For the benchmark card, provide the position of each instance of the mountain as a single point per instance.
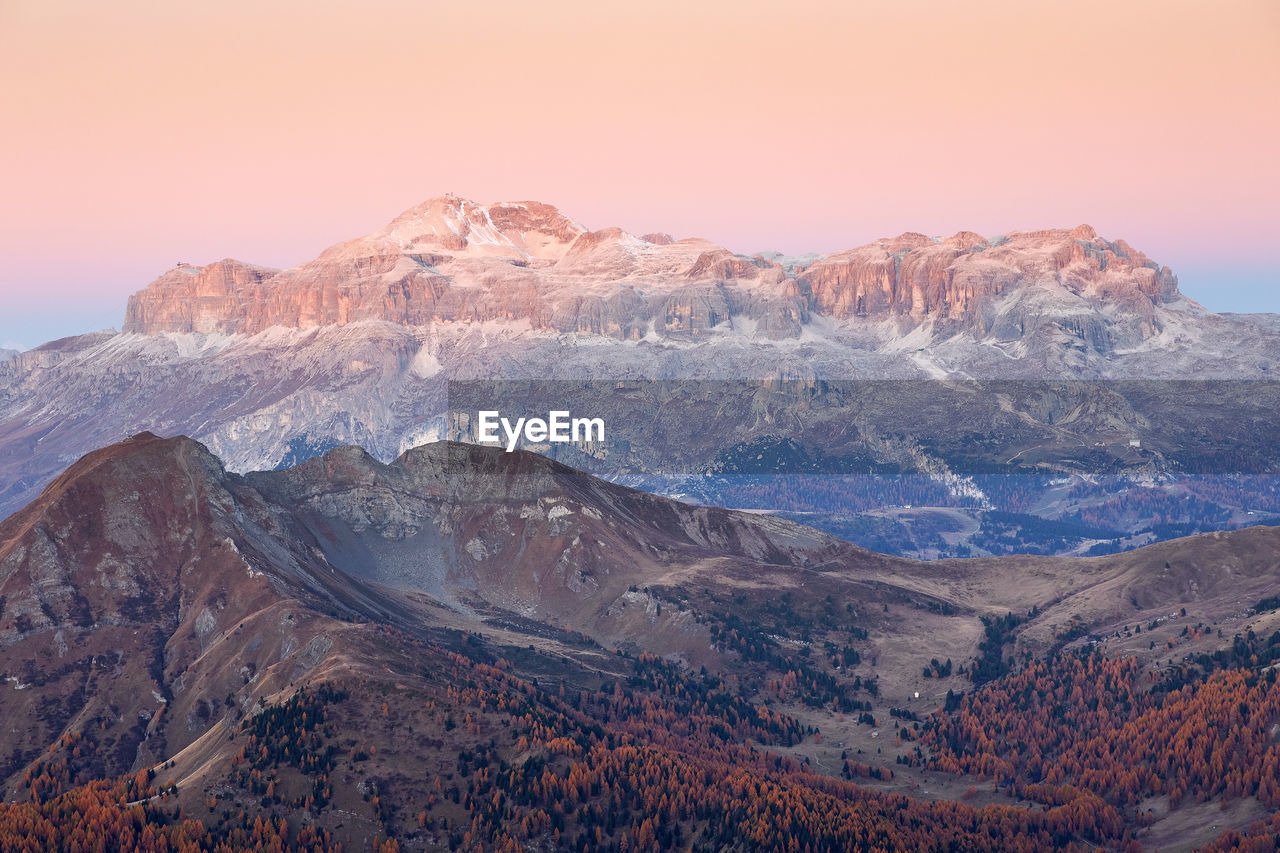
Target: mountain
(436, 646)
(452, 260)
(358, 346)
(147, 583)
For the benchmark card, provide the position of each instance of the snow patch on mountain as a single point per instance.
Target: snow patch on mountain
(425, 364)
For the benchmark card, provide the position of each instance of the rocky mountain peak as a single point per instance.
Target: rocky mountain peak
(963, 278)
(453, 260)
(524, 229)
(191, 298)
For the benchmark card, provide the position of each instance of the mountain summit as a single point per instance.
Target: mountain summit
(454, 260)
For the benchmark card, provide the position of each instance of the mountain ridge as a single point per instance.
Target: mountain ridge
(453, 260)
(360, 345)
(161, 614)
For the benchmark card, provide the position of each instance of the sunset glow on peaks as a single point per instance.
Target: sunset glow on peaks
(140, 134)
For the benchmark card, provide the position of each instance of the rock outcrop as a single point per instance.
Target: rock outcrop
(961, 279)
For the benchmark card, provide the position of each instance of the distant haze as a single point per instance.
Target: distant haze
(141, 134)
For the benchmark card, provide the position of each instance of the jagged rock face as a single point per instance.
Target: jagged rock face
(196, 299)
(452, 260)
(961, 281)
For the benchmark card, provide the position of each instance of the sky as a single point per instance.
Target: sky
(137, 134)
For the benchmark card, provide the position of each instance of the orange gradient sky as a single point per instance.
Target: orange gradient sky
(139, 134)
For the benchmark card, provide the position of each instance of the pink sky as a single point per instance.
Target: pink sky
(139, 134)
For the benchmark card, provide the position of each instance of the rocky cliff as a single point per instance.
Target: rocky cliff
(452, 260)
(962, 278)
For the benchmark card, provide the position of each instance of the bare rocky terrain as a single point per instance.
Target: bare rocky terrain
(152, 602)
